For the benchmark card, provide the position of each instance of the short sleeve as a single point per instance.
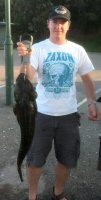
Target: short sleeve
(85, 64)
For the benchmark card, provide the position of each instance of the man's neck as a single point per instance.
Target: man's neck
(58, 41)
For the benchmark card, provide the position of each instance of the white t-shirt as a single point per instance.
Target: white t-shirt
(57, 67)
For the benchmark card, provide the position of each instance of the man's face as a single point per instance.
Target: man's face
(58, 28)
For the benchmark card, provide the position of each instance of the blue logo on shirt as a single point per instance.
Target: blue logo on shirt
(58, 73)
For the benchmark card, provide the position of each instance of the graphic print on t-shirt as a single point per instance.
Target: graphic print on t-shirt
(58, 72)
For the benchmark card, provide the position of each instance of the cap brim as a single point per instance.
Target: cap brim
(59, 17)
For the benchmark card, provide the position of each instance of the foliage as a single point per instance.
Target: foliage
(90, 15)
(2, 10)
(31, 16)
(90, 42)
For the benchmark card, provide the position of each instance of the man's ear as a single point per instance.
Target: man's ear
(48, 24)
(69, 24)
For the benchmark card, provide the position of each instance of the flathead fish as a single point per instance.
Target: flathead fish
(25, 110)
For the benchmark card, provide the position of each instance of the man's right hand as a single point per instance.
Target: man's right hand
(22, 49)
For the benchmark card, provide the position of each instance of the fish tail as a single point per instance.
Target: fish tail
(20, 174)
(99, 157)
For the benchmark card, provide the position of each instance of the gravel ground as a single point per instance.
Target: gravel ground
(85, 180)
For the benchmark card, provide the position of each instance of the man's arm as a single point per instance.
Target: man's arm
(91, 97)
(28, 70)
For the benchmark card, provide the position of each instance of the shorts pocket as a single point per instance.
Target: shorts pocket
(78, 117)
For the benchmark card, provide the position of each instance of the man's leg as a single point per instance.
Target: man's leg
(33, 179)
(40, 148)
(62, 175)
(67, 149)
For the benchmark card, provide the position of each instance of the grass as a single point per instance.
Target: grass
(91, 43)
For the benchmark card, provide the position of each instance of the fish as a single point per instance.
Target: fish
(25, 110)
(99, 156)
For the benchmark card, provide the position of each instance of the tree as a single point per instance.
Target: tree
(90, 17)
(2, 10)
(31, 16)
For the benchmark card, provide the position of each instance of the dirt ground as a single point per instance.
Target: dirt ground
(95, 58)
(85, 180)
(2, 74)
(96, 75)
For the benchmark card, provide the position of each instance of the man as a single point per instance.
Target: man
(57, 61)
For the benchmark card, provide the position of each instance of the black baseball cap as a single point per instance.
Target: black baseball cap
(60, 12)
